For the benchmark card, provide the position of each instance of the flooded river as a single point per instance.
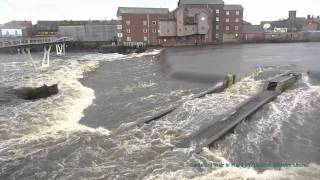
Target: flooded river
(70, 135)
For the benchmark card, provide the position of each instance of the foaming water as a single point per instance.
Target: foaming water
(43, 139)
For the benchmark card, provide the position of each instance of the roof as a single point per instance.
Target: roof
(140, 10)
(252, 28)
(231, 7)
(201, 2)
(194, 11)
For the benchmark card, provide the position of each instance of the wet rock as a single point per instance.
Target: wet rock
(37, 93)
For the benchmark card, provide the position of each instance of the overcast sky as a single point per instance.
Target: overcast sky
(255, 10)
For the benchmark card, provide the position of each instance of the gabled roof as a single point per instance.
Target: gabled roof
(140, 10)
(194, 11)
(181, 2)
(232, 7)
(252, 28)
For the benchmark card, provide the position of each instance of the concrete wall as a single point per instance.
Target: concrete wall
(167, 28)
(76, 32)
(100, 32)
(90, 33)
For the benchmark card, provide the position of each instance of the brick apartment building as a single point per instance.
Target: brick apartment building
(192, 22)
(139, 26)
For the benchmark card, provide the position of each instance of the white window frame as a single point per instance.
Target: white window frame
(227, 28)
(145, 22)
(145, 38)
(145, 31)
(217, 36)
(128, 38)
(119, 27)
(236, 28)
(120, 35)
(217, 11)
(227, 20)
(128, 31)
(154, 22)
(238, 13)
(237, 20)
(217, 27)
(128, 22)
(154, 30)
(227, 13)
(217, 19)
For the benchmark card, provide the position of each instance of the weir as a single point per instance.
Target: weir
(228, 81)
(220, 126)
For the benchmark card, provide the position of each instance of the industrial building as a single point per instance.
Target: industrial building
(192, 22)
(91, 31)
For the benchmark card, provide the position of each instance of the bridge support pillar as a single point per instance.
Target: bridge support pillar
(61, 49)
(26, 52)
(46, 56)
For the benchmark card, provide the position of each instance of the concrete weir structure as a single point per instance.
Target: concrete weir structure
(218, 127)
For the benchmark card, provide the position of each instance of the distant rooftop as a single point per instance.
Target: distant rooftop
(247, 28)
(232, 7)
(201, 2)
(140, 10)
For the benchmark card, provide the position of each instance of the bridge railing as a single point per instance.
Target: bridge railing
(13, 42)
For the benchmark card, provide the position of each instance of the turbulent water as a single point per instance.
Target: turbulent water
(69, 136)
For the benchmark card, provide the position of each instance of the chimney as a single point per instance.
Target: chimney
(292, 16)
(309, 16)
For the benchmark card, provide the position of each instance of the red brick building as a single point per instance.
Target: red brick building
(139, 26)
(312, 23)
(233, 20)
(192, 22)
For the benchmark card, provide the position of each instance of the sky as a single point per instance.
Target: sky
(255, 10)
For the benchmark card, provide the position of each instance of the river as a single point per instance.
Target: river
(70, 135)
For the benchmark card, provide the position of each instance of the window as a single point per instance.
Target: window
(203, 18)
(217, 19)
(168, 31)
(227, 13)
(217, 36)
(145, 38)
(120, 18)
(119, 35)
(154, 22)
(227, 20)
(236, 28)
(145, 30)
(119, 26)
(128, 31)
(217, 27)
(145, 22)
(237, 19)
(128, 22)
(129, 38)
(227, 28)
(237, 13)
(154, 30)
(16, 32)
(217, 11)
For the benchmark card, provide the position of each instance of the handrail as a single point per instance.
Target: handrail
(14, 42)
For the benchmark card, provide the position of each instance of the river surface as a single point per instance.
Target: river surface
(72, 135)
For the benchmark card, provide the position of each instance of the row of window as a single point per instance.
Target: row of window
(235, 28)
(144, 31)
(227, 12)
(144, 22)
(236, 20)
(228, 19)
(145, 38)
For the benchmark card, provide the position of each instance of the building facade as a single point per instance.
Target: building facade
(233, 21)
(192, 22)
(91, 31)
(140, 26)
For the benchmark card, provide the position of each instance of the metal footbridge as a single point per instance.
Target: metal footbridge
(23, 45)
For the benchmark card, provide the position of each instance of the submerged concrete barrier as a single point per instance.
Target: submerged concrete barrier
(228, 81)
(220, 126)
